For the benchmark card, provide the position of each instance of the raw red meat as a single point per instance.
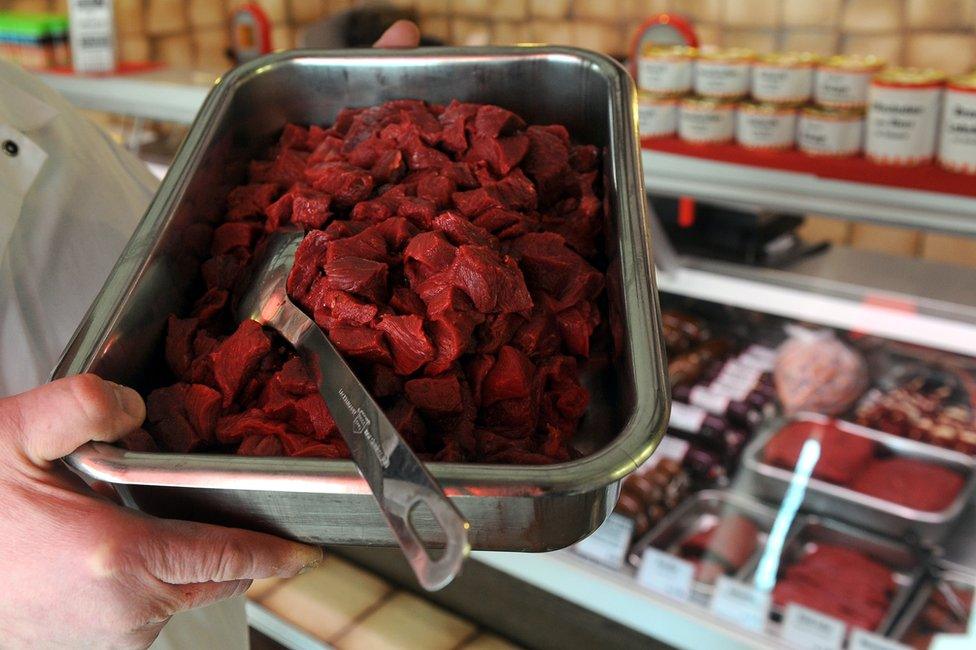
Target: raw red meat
(842, 455)
(909, 482)
(449, 256)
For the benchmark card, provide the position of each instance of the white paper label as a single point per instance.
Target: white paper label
(706, 125)
(664, 75)
(806, 629)
(721, 79)
(829, 137)
(957, 146)
(901, 124)
(753, 362)
(762, 352)
(840, 88)
(770, 84)
(863, 640)
(666, 574)
(731, 388)
(686, 417)
(657, 118)
(609, 543)
(735, 369)
(92, 35)
(671, 447)
(740, 604)
(710, 401)
(760, 130)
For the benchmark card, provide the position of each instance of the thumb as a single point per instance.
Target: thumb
(186, 553)
(53, 420)
(207, 593)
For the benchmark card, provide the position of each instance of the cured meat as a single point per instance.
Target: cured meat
(842, 455)
(909, 482)
(449, 256)
(819, 374)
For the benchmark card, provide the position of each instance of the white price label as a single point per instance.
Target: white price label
(666, 574)
(863, 640)
(731, 388)
(712, 402)
(806, 629)
(686, 417)
(609, 543)
(740, 603)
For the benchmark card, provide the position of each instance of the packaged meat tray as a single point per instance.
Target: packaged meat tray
(510, 506)
(720, 532)
(859, 578)
(942, 604)
(884, 483)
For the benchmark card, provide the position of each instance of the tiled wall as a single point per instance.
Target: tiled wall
(940, 33)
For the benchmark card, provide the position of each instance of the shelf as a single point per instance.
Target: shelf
(280, 631)
(166, 95)
(673, 174)
(618, 598)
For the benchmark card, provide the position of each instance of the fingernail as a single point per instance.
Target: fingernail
(129, 400)
(314, 563)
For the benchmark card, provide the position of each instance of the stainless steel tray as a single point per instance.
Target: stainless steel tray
(683, 521)
(831, 500)
(906, 563)
(509, 507)
(940, 571)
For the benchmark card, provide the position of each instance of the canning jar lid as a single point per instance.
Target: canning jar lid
(790, 59)
(910, 77)
(766, 108)
(731, 55)
(644, 96)
(854, 62)
(708, 102)
(965, 81)
(658, 51)
(832, 113)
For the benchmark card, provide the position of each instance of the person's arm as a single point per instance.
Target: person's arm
(80, 570)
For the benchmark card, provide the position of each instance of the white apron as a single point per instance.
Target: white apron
(69, 199)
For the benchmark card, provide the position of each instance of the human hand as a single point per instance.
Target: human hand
(81, 571)
(401, 34)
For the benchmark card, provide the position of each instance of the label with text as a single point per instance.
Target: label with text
(609, 543)
(740, 603)
(863, 640)
(666, 574)
(806, 629)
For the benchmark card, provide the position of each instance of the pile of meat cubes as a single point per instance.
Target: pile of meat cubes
(450, 257)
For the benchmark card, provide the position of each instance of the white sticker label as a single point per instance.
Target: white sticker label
(863, 640)
(735, 369)
(657, 118)
(721, 79)
(740, 604)
(709, 400)
(830, 136)
(840, 88)
(686, 417)
(706, 124)
(664, 75)
(671, 447)
(609, 543)
(901, 124)
(666, 574)
(732, 388)
(806, 629)
(957, 147)
(771, 84)
(756, 362)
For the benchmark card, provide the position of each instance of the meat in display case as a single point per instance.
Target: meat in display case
(822, 470)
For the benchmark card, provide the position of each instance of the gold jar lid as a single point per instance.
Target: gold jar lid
(656, 51)
(646, 96)
(835, 114)
(696, 101)
(766, 108)
(854, 62)
(965, 81)
(910, 77)
(729, 55)
(790, 59)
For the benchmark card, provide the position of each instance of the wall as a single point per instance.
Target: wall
(940, 33)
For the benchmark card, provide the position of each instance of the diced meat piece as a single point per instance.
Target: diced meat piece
(538, 337)
(312, 417)
(362, 277)
(494, 284)
(437, 189)
(361, 344)
(287, 168)
(384, 382)
(408, 423)
(210, 304)
(550, 266)
(253, 422)
(404, 301)
(576, 325)
(438, 394)
(584, 158)
(461, 231)
(409, 343)
(492, 121)
(250, 200)
(501, 154)
(547, 161)
(454, 120)
(222, 271)
(307, 266)
(139, 440)
(497, 330)
(509, 377)
(368, 244)
(260, 445)
(451, 338)
(183, 416)
(180, 333)
(236, 234)
(396, 232)
(418, 210)
(427, 253)
(346, 184)
(237, 357)
(310, 209)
